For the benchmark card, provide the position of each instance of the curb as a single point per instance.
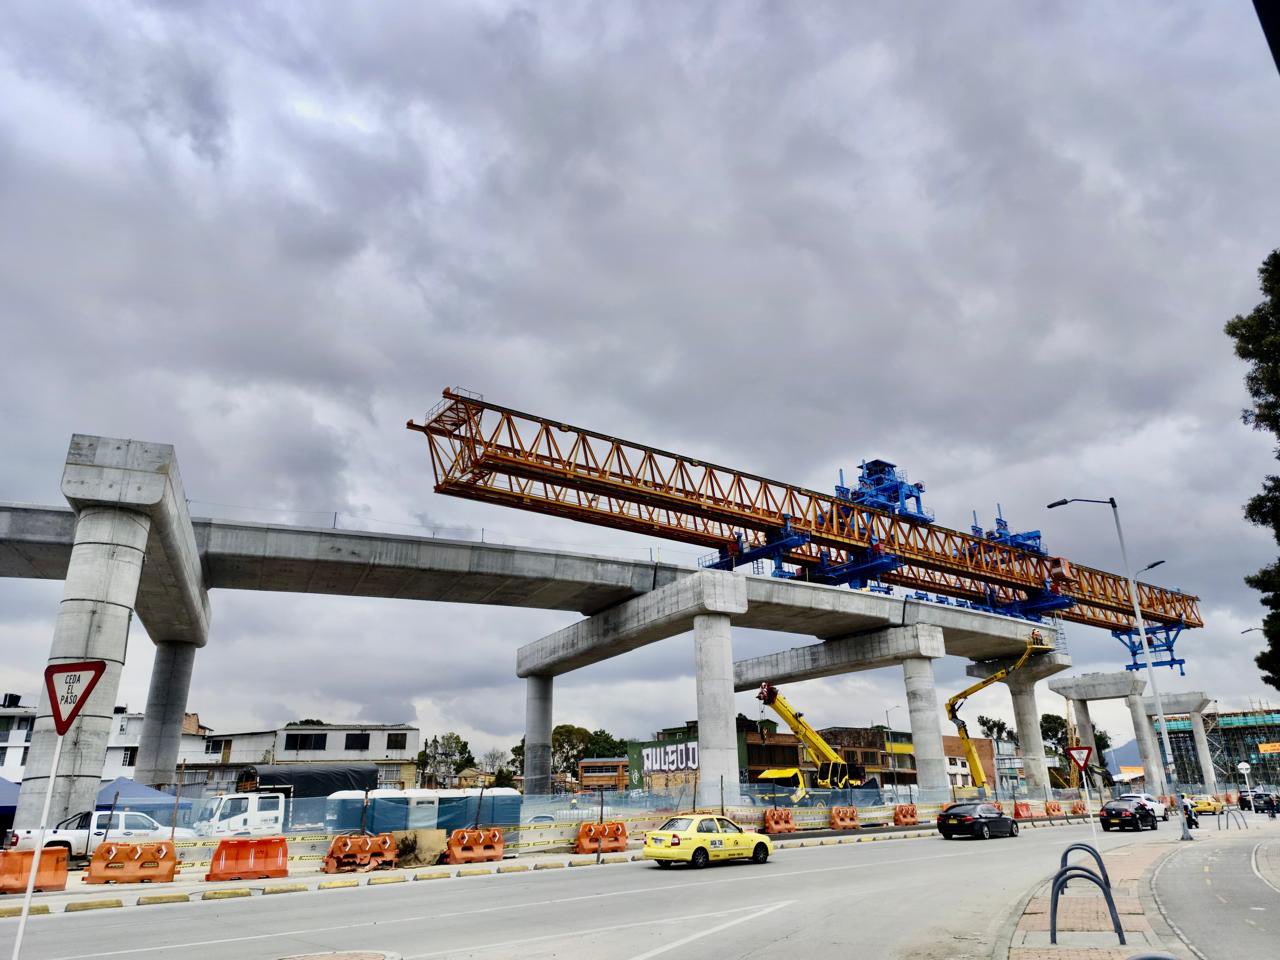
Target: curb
(429, 875)
(234, 894)
(37, 909)
(146, 901)
(337, 884)
(284, 888)
(388, 878)
(79, 906)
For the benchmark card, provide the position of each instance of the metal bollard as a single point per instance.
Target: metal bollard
(1102, 867)
(1060, 881)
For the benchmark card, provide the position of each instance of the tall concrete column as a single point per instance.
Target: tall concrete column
(92, 624)
(1147, 749)
(1026, 718)
(166, 708)
(1208, 776)
(1084, 730)
(717, 727)
(537, 735)
(926, 729)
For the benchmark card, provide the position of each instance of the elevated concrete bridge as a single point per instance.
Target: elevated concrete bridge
(127, 544)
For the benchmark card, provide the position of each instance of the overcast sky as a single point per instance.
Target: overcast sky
(992, 242)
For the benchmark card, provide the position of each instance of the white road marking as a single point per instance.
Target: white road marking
(1253, 862)
(596, 930)
(657, 951)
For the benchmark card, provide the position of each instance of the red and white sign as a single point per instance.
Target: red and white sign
(69, 686)
(1080, 756)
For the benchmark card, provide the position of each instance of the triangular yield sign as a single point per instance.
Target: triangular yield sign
(1080, 756)
(69, 686)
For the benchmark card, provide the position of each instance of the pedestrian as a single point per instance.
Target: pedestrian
(1270, 805)
(1189, 812)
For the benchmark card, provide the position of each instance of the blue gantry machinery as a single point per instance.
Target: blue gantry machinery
(882, 486)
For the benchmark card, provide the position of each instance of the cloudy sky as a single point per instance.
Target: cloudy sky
(993, 242)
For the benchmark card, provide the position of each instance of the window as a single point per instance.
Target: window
(136, 821)
(6, 724)
(111, 822)
(358, 741)
(728, 826)
(396, 741)
(4, 753)
(216, 746)
(235, 807)
(707, 826)
(305, 741)
(129, 758)
(268, 804)
(25, 751)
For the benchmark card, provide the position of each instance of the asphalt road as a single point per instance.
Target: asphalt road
(923, 898)
(1219, 898)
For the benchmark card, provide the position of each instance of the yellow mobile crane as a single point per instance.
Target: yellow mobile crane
(1035, 643)
(833, 772)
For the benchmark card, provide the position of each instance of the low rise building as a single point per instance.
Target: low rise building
(607, 773)
(16, 723)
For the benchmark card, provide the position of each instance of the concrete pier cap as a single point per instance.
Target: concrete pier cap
(1190, 702)
(1099, 686)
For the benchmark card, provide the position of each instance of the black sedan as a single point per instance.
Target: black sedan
(980, 820)
(1127, 815)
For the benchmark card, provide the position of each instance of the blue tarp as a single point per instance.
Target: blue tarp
(8, 794)
(135, 796)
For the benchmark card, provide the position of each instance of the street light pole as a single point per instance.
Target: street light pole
(888, 746)
(1171, 769)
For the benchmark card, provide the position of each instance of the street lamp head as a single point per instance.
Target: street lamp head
(1057, 503)
(1250, 630)
(1151, 566)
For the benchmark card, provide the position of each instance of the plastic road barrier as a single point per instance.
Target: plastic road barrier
(15, 866)
(473, 846)
(358, 851)
(779, 820)
(1078, 809)
(1052, 808)
(1021, 810)
(904, 815)
(844, 818)
(250, 858)
(132, 863)
(601, 838)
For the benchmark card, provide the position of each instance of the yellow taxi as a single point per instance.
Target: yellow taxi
(698, 839)
(1206, 804)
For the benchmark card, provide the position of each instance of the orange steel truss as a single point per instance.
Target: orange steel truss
(482, 451)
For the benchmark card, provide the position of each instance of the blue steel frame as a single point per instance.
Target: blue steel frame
(1161, 638)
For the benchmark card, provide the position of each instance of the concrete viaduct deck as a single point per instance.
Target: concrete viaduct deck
(128, 506)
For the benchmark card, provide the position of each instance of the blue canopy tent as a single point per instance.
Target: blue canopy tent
(138, 796)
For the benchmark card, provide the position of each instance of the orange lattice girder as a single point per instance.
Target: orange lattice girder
(482, 451)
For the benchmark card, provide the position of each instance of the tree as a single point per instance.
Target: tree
(993, 727)
(504, 778)
(1102, 740)
(456, 752)
(1257, 342)
(491, 761)
(308, 723)
(602, 743)
(1053, 731)
(517, 755)
(568, 746)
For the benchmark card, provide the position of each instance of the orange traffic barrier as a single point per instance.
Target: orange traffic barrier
(601, 838)
(132, 863)
(844, 818)
(1021, 810)
(999, 807)
(1231, 798)
(904, 815)
(779, 820)
(473, 846)
(358, 851)
(1052, 808)
(15, 867)
(1078, 809)
(249, 858)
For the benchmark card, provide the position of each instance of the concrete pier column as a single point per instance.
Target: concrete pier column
(1084, 730)
(1207, 774)
(166, 708)
(92, 624)
(717, 727)
(1026, 718)
(1147, 749)
(926, 729)
(537, 735)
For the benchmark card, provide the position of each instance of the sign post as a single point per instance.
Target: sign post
(69, 686)
(1080, 757)
(1244, 768)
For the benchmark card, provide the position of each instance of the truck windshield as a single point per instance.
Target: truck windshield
(207, 810)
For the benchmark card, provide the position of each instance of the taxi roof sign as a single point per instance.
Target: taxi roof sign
(1080, 756)
(69, 686)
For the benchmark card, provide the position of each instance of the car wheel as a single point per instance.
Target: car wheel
(760, 854)
(985, 832)
(1013, 829)
(1155, 824)
(663, 863)
(1105, 828)
(699, 859)
(1166, 816)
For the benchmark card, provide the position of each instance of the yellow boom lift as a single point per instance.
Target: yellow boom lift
(833, 772)
(1035, 643)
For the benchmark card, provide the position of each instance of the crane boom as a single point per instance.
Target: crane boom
(1034, 643)
(819, 750)
(482, 451)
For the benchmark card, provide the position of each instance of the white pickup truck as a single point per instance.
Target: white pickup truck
(82, 833)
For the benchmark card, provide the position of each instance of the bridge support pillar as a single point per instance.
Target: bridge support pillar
(1084, 730)
(717, 724)
(93, 624)
(1144, 734)
(1026, 718)
(1208, 776)
(537, 735)
(161, 736)
(926, 729)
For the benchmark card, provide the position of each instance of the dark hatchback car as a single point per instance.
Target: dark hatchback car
(1127, 815)
(980, 820)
